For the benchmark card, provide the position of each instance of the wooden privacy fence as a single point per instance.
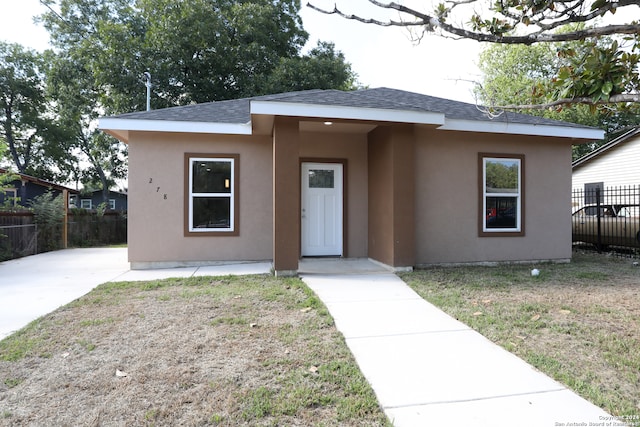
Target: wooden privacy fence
(607, 218)
(19, 234)
(94, 230)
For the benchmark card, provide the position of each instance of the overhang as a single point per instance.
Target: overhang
(255, 116)
(120, 127)
(579, 133)
(333, 112)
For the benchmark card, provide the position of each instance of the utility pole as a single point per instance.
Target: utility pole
(147, 77)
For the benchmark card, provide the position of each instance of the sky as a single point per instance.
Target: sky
(381, 57)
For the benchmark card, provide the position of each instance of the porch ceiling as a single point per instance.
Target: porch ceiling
(336, 127)
(263, 125)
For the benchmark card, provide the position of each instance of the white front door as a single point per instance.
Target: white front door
(321, 209)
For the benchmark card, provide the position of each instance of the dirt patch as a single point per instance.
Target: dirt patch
(236, 351)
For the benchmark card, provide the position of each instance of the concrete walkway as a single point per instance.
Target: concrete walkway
(426, 368)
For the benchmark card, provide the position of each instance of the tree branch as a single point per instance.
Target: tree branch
(622, 98)
(390, 23)
(9, 136)
(431, 23)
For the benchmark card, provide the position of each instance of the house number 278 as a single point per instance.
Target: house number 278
(164, 196)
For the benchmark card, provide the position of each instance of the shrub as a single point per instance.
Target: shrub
(49, 216)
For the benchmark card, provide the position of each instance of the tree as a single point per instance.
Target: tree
(35, 144)
(501, 177)
(515, 75)
(598, 74)
(6, 176)
(48, 210)
(321, 68)
(195, 51)
(71, 85)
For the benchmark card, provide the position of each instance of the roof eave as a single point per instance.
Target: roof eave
(295, 109)
(120, 127)
(39, 181)
(577, 133)
(606, 147)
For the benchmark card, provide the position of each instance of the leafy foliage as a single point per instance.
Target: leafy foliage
(501, 175)
(27, 125)
(49, 216)
(71, 85)
(519, 75)
(598, 71)
(321, 68)
(595, 74)
(196, 51)
(6, 177)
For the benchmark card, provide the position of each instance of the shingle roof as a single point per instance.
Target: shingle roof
(38, 181)
(238, 110)
(456, 109)
(231, 111)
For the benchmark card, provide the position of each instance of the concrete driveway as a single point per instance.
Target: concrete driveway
(33, 286)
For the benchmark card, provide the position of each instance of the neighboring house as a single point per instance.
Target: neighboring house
(117, 200)
(615, 164)
(401, 178)
(22, 190)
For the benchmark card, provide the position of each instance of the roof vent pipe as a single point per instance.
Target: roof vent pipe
(147, 77)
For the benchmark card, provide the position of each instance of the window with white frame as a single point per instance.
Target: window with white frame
(112, 204)
(502, 194)
(211, 194)
(85, 204)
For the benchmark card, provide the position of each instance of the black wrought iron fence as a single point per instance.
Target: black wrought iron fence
(607, 219)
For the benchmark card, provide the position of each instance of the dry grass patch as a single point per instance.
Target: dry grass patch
(577, 322)
(228, 351)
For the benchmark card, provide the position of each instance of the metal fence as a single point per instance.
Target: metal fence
(607, 219)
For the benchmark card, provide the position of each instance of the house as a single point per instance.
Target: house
(24, 188)
(405, 179)
(116, 201)
(609, 172)
(614, 164)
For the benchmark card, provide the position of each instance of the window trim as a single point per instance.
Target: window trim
(10, 193)
(86, 200)
(234, 195)
(519, 231)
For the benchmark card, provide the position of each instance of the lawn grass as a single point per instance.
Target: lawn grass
(251, 350)
(578, 322)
